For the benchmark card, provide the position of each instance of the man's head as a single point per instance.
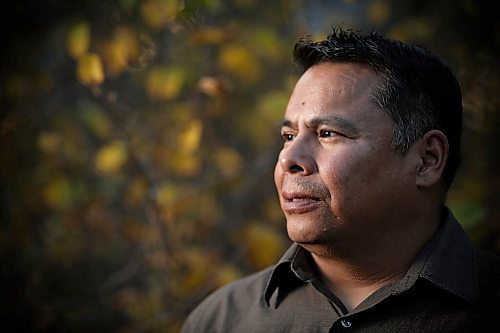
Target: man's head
(367, 140)
(415, 88)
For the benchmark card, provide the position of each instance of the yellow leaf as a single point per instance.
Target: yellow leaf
(121, 50)
(184, 159)
(239, 61)
(97, 121)
(185, 165)
(271, 105)
(158, 13)
(110, 158)
(269, 110)
(58, 193)
(173, 200)
(270, 44)
(188, 139)
(165, 83)
(89, 69)
(78, 39)
(265, 245)
(167, 194)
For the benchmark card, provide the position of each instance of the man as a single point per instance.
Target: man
(371, 145)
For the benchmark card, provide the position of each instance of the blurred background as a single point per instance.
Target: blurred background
(138, 140)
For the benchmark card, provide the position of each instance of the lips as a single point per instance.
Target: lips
(299, 203)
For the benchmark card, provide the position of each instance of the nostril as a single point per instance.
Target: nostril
(296, 168)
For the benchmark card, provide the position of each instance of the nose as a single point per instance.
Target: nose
(297, 158)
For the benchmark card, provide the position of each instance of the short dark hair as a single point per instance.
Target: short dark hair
(415, 88)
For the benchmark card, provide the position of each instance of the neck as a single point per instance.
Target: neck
(352, 275)
(352, 283)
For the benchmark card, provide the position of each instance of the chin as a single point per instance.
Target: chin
(303, 233)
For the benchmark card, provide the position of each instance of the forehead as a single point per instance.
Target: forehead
(340, 89)
(340, 81)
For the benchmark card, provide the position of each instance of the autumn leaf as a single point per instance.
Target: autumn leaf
(189, 137)
(110, 158)
(97, 121)
(167, 194)
(121, 50)
(239, 61)
(265, 245)
(158, 13)
(165, 83)
(89, 69)
(58, 193)
(184, 164)
(78, 39)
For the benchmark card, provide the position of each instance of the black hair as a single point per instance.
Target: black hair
(415, 88)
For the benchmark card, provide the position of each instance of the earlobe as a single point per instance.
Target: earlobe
(433, 157)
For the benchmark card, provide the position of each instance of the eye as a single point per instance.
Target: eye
(327, 133)
(287, 137)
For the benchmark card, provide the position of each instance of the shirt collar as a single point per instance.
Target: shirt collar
(451, 264)
(447, 261)
(292, 270)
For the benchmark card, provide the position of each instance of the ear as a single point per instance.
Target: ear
(433, 149)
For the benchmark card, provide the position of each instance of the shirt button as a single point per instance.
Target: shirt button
(346, 323)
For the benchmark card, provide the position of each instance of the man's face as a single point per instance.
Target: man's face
(338, 178)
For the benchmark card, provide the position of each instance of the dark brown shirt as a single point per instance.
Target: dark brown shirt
(450, 287)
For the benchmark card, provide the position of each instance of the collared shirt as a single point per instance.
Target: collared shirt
(451, 286)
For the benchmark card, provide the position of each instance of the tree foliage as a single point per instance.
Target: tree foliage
(138, 140)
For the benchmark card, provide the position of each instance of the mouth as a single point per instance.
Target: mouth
(299, 203)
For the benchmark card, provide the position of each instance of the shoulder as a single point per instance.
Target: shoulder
(227, 302)
(488, 278)
(246, 289)
(488, 270)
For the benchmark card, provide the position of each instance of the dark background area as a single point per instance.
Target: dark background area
(138, 139)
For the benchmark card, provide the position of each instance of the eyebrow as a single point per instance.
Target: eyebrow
(334, 121)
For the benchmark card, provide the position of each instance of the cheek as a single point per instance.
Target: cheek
(339, 171)
(347, 174)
